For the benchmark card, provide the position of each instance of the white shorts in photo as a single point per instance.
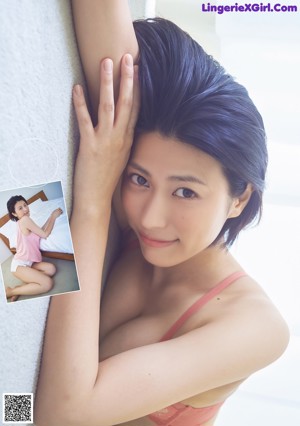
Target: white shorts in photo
(18, 262)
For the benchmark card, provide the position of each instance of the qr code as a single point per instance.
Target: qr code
(18, 408)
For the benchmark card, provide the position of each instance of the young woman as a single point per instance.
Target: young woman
(181, 324)
(27, 264)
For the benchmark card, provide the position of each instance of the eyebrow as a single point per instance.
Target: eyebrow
(183, 178)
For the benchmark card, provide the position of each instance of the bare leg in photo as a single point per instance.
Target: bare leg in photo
(37, 279)
(45, 267)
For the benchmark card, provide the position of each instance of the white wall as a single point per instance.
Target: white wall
(39, 65)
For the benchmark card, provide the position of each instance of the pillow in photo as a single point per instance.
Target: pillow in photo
(9, 230)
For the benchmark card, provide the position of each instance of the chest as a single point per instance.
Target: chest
(146, 323)
(138, 313)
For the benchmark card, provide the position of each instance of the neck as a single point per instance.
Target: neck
(203, 270)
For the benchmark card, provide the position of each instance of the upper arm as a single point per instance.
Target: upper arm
(123, 295)
(222, 352)
(33, 227)
(103, 29)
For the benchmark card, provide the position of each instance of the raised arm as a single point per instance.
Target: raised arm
(49, 224)
(71, 348)
(103, 29)
(46, 229)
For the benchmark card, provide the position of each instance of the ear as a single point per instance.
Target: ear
(239, 203)
(14, 214)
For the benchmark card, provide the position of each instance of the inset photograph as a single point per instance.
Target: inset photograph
(36, 250)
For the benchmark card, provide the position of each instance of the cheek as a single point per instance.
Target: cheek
(129, 202)
(189, 216)
(200, 226)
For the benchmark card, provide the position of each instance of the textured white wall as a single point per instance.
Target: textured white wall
(39, 66)
(38, 140)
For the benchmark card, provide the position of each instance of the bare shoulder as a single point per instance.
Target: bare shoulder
(25, 222)
(242, 333)
(257, 320)
(25, 219)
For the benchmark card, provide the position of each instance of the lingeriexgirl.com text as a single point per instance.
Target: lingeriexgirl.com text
(249, 7)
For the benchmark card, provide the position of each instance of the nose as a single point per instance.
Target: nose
(155, 213)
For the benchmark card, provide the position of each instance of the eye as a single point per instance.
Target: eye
(138, 180)
(185, 193)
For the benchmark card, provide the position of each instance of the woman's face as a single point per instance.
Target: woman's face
(21, 209)
(176, 199)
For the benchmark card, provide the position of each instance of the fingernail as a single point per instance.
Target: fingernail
(128, 60)
(107, 64)
(77, 89)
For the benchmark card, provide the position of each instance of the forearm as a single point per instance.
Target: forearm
(70, 355)
(103, 29)
(102, 156)
(71, 340)
(49, 224)
(70, 365)
(45, 224)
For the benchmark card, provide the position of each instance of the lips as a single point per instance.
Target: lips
(150, 241)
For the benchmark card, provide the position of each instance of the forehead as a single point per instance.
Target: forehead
(167, 155)
(20, 203)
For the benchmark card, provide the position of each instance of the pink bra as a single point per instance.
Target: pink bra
(184, 415)
(180, 414)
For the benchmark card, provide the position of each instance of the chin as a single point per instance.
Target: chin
(160, 263)
(159, 259)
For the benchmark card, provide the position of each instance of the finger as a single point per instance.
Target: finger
(124, 104)
(135, 103)
(106, 99)
(82, 113)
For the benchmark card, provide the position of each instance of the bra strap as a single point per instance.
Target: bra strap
(201, 302)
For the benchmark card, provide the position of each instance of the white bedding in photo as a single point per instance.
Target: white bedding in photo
(60, 238)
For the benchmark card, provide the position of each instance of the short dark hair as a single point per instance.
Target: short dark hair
(11, 206)
(187, 95)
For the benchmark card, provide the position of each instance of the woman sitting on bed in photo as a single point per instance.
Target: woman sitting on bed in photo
(27, 264)
(182, 325)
